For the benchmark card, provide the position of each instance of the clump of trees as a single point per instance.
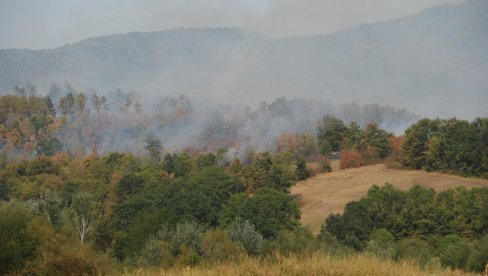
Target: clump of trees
(453, 145)
(178, 209)
(419, 224)
(357, 146)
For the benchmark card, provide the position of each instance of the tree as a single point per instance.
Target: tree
(243, 232)
(376, 138)
(417, 137)
(129, 185)
(269, 210)
(17, 244)
(84, 214)
(302, 171)
(333, 130)
(153, 147)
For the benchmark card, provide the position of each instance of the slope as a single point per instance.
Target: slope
(328, 193)
(434, 63)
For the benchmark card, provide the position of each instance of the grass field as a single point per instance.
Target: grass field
(318, 264)
(328, 193)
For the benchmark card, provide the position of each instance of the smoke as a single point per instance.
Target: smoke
(50, 23)
(182, 124)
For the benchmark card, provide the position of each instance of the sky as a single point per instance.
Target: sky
(38, 24)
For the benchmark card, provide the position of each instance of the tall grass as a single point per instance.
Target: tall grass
(317, 264)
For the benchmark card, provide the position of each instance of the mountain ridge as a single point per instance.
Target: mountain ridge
(439, 56)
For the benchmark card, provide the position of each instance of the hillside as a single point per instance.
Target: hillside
(328, 193)
(435, 62)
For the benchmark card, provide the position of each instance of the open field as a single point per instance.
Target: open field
(328, 193)
(318, 264)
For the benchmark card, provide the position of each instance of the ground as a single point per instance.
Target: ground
(328, 193)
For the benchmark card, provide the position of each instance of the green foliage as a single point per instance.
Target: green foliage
(478, 259)
(332, 130)
(269, 210)
(131, 239)
(352, 137)
(414, 250)
(84, 214)
(453, 251)
(452, 145)
(177, 164)
(42, 165)
(376, 138)
(49, 146)
(302, 170)
(217, 246)
(156, 252)
(130, 184)
(153, 147)
(418, 212)
(325, 148)
(200, 197)
(17, 244)
(281, 177)
(299, 241)
(243, 232)
(381, 243)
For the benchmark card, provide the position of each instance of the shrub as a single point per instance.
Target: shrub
(188, 235)
(302, 170)
(478, 259)
(243, 232)
(381, 243)
(414, 250)
(351, 159)
(217, 246)
(300, 242)
(325, 165)
(453, 252)
(156, 252)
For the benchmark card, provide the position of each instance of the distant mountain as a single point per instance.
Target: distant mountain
(434, 63)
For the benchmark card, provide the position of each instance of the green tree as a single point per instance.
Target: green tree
(332, 130)
(302, 170)
(153, 147)
(417, 137)
(17, 244)
(269, 210)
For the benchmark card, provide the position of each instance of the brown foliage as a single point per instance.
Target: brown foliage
(351, 159)
(394, 161)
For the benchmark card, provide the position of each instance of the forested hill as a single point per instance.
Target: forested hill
(435, 62)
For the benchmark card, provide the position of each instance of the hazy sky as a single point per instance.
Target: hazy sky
(50, 23)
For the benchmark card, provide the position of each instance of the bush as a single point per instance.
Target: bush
(478, 259)
(243, 232)
(414, 250)
(156, 252)
(302, 170)
(351, 159)
(217, 246)
(381, 243)
(186, 234)
(300, 242)
(453, 252)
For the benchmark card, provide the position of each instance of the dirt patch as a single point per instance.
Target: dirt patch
(328, 193)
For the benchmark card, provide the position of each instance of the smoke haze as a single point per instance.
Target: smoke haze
(37, 24)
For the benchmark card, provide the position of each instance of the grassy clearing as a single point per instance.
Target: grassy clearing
(328, 193)
(318, 264)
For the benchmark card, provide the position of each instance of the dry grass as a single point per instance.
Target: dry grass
(318, 264)
(328, 193)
